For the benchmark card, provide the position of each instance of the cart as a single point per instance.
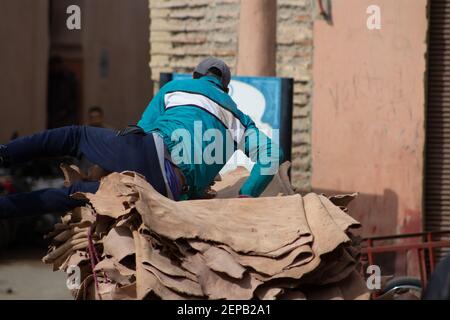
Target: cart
(426, 247)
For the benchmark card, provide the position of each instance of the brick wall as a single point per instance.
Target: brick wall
(183, 32)
(294, 58)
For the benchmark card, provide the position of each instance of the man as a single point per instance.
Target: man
(96, 117)
(181, 106)
(167, 147)
(438, 287)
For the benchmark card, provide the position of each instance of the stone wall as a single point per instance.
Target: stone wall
(183, 32)
(294, 60)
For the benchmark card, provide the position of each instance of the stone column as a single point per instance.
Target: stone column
(257, 38)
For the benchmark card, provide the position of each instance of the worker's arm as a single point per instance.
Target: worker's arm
(155, 108)
(267, 156)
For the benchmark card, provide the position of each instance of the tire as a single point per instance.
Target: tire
(399, 285)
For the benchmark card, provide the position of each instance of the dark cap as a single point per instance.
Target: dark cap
(211, 62)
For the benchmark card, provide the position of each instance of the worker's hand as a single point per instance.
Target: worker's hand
(209, 193)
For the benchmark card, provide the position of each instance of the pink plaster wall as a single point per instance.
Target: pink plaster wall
(368, 111)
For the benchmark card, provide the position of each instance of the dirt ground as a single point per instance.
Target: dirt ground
(24, 276)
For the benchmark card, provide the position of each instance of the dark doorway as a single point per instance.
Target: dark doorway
(65, 73)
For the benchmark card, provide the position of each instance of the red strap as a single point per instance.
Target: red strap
(93, 256)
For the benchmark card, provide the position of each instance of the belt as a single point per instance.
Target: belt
(180, 175)
(181, 178)
(132, 129)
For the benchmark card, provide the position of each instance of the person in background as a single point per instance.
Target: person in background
(438, 287)
(96, 117)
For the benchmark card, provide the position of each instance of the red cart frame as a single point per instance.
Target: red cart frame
(425, 248)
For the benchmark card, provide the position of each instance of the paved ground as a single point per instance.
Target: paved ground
(24, 276)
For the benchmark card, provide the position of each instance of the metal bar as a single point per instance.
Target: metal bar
(422, 266)
(430, 252)
(405, 247)
(406, 235)
(369, 253)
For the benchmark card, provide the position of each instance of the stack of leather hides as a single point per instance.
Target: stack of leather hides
(130, 242)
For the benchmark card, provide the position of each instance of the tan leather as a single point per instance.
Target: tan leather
(285, 247)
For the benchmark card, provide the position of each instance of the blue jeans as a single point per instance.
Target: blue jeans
(114, 153)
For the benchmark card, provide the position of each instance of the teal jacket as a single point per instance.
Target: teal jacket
(183, 113)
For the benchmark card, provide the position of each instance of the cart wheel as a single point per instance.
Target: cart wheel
(399, 286)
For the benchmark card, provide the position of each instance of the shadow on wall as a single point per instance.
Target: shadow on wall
(378, 214)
